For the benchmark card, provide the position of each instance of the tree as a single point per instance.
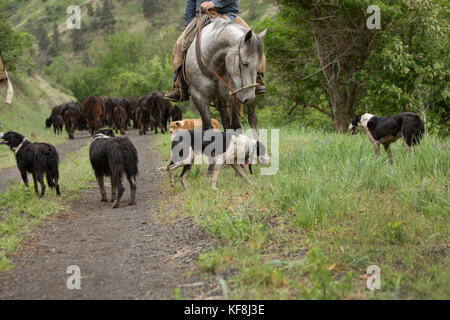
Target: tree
(324, 49)
(149, 7)
(90, 10)
(323, 46)
(42, 38)
(55, 48)
(16, 47)
(77, 40)
(107, 20)
(408, 69)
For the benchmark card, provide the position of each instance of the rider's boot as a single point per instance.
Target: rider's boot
(178, 92)
(261, 85)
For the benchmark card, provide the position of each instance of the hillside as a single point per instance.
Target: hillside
(33, 99)
(119, 49)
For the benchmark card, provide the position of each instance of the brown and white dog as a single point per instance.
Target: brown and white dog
(191, 124)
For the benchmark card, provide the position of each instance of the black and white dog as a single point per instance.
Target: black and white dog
(386, 130)
(113, 156)
(36, 158)
(220, 147)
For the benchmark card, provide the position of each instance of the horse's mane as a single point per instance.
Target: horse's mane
(254, 44)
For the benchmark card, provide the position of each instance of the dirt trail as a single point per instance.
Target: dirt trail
(125, 253)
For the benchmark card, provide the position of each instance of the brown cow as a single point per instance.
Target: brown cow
(120, 119)
(134, 103)
(142, 119)
(70, 121)
(93, 110)
(108, 118)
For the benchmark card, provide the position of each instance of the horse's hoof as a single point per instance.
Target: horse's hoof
(132, 203)
(115, 205)
(104, 200)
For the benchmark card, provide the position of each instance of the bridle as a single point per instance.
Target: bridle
(209, 70)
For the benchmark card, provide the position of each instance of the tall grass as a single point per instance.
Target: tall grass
(333, 209)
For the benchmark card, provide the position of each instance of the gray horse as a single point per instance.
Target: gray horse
(233, 52)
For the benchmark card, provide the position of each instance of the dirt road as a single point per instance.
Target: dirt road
(125, 253)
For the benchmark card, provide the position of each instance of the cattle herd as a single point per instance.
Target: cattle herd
(145, 112)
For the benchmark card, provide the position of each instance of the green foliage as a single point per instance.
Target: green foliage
(324, 49)
(16, 47)
(150, 7)
(122, 64)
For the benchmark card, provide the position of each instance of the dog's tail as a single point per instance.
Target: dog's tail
(53, 170)
(413, 131)
(131, 160)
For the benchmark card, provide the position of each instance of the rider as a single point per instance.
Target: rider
(229, 9)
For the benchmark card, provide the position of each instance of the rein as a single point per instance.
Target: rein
(206, 68)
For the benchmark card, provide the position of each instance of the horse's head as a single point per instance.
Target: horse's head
(242, 64)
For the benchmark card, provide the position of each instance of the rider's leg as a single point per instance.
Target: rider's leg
(261, 87)
(178, 92)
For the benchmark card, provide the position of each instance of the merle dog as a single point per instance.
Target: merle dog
(386, 130)
(36, 158)
(113, 156)
(220, 147)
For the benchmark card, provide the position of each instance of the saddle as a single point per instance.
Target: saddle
(192, 28)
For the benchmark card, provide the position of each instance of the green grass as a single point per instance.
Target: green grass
(21, 210)
(332, 210)
(33, 100)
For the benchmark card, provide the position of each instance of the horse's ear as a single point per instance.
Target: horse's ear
(248, 36)
(262, 34)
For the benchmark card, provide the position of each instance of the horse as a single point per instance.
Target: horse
(221, 67)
